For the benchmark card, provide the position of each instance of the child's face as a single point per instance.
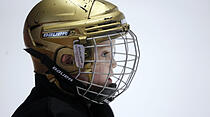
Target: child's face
(103, 67)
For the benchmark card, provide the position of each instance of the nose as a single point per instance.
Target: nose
(114, 63)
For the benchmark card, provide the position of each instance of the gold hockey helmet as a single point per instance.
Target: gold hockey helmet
(78, 28)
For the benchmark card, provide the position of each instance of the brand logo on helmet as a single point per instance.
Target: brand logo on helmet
(62, 74)
(55, 34)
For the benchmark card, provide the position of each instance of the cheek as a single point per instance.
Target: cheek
(102, 67)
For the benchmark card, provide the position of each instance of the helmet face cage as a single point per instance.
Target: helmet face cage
(110, 77)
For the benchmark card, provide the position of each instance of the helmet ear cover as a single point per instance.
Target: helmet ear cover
(59, 56)
(71, 67)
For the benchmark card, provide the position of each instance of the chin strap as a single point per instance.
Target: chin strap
(60, 74)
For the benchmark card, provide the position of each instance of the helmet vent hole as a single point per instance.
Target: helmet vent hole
(109, 27)
(104, 28)
(92, 31)
(108, 22)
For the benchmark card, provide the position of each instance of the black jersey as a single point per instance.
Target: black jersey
(46, 100)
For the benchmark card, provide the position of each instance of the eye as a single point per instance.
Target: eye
(104, 54)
